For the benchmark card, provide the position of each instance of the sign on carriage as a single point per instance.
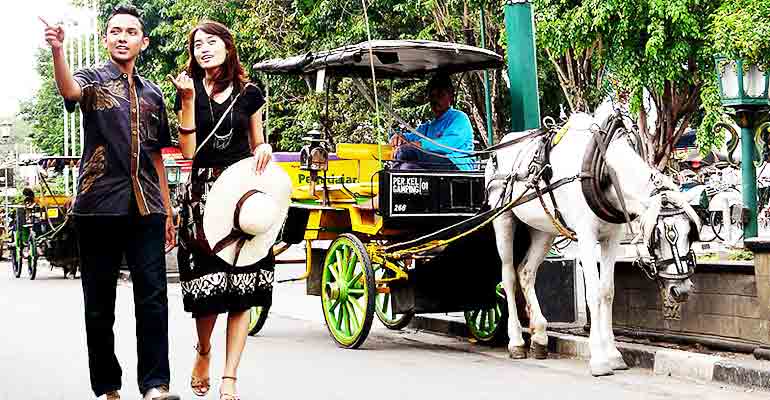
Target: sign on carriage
(431, 193)
(410, 185)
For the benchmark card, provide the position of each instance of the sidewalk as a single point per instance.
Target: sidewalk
(728, 368)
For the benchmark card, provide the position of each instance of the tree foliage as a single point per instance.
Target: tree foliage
(279, 28)
(657, 50)
(44, 112)
(573, 43)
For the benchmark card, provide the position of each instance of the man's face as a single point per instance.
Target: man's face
(440, 101)
(125, 39)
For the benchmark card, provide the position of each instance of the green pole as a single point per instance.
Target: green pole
(748, 172)
(522, 65)
(487, 97)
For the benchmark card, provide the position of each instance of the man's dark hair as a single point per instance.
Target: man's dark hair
(441, 80)
(128, 10)
(29, 194)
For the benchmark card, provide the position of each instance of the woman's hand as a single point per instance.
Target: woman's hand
(184, 86)
(262, 155)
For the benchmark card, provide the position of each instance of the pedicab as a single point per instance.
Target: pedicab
(379, 240)
(41, 226)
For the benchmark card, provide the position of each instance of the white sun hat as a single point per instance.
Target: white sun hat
(245, 212)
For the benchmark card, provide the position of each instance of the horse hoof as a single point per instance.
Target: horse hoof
(602, 369)
(517, 352)
(539, 352)
(618, 364)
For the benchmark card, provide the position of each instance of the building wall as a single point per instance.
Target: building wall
(725, 303)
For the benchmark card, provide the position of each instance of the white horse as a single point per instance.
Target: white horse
(598, 241)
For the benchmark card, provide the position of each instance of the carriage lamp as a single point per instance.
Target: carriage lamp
(744, 88)
(314, 156)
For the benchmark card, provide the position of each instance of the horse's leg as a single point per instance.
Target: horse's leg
(541, 243)
(588, 259)
(504, 232)
(610, 249)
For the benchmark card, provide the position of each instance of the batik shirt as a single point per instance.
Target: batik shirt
(124, 125)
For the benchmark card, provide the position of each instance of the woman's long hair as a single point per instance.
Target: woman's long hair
(230, 72)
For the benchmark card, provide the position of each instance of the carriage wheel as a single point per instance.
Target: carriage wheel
(31, 255)
(348, 291)
(257, 318)
(31, 260)
(716, 225)
(488, 326)
(707, 233)
(15, 261)
(384, 305)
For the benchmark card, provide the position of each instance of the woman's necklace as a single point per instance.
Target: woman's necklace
(221, 141)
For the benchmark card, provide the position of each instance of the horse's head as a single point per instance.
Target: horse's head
(669, 227)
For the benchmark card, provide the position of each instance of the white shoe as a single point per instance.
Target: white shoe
(160, 393)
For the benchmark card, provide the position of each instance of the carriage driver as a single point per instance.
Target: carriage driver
(450, 128)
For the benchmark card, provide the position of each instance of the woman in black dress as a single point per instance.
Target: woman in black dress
(220, 123)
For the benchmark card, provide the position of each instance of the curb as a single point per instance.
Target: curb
(682, 364)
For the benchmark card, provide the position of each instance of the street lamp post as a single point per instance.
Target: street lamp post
(744, 88)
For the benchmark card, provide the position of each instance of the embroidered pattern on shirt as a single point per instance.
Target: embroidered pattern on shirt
(93, 169)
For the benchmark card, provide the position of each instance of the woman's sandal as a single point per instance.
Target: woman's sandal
(200, 386)
(228, 396)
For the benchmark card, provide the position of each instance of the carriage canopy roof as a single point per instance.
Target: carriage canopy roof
(392, 59)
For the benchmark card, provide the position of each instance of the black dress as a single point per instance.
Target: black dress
(209, 284)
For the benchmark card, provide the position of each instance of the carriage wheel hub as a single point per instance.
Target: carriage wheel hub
(337, 291)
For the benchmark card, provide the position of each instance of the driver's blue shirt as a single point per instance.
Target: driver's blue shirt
(452, 129)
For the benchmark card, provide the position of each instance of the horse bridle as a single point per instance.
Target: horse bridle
(654, 268)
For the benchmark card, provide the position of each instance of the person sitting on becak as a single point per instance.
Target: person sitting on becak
(450, 132)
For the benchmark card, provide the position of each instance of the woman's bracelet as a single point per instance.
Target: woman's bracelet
(186, 131)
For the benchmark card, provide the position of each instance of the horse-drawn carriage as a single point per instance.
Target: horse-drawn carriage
(394, 243)
(41, 227)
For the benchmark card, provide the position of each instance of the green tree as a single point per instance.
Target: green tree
(572, 43)
(44, 111)
(740, 29)
(279, 28)
(660, 48)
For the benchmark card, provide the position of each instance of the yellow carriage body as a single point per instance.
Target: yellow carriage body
(350, 184)
(52, 201)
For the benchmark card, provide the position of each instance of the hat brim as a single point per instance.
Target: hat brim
(223, 198)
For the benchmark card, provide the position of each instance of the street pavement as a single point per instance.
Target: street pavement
(42, 356)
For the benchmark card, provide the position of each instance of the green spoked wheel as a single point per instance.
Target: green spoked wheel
(15, 261)
(488, 326)
(31, 257)
(384, 304)
(257, 318)
(348, 291)
(31, 260)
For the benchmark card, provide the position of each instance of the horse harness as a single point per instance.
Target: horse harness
(595, 176)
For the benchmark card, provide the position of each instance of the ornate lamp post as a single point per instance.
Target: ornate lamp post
(744, 88)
